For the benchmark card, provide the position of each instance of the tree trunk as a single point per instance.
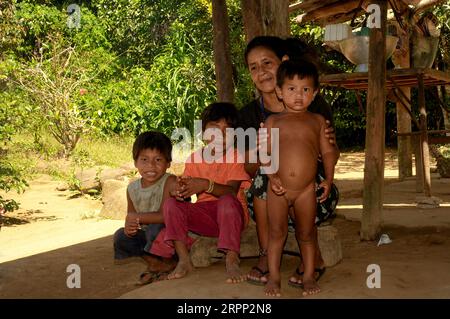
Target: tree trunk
(222, 58)
(375, 131)
(265, 17)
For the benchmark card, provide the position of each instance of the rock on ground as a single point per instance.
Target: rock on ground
(204, 250)
(114, 199)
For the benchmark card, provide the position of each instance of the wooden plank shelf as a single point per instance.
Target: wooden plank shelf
(398, 77)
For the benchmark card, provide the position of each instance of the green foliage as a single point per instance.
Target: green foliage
(54, 84)
(137, 28)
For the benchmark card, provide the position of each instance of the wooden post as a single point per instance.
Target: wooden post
(222, 58)
(402, 56)
(265, 17)
(425, 152)
(375, 130)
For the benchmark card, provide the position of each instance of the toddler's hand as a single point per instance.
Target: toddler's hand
(275, 183)
(326, 190)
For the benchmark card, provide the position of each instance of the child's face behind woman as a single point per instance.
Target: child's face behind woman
(152, 165)
(263, 65)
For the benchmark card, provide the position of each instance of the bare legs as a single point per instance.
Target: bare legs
(305, 212)
(257, 273)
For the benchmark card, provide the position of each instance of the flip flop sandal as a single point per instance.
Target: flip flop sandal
(296, 284)
(153, 277)
(258, 281)
(147, 277)
(319, 271)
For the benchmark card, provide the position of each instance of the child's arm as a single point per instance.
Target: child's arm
(330, 154)
(131, 220)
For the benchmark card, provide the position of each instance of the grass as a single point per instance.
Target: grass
(35, 156)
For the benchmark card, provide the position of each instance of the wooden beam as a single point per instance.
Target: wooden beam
(329, 10)
(375, 131)
(222, 57)
(425, 4)
(295, 6)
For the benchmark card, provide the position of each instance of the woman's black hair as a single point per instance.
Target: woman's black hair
(155, 141)
(220, 110)
(272, 43)
(298, 50)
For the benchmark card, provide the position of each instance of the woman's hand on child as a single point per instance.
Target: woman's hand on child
(329, 133)
(326, 190)
(275, 183)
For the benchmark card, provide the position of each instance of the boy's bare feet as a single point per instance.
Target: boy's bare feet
(273, 288)
(159, 264)
(310, 287)
(181, 270)
(258, 274)
(234, 273)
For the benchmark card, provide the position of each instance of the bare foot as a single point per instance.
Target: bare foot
(310, 287)
(258, 273)
(159, 264)
(234, 273)
(181, 270)
(273, 288)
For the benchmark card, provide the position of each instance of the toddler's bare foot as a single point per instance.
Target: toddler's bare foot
(181, 270)
(273, 288)
(234, 273)
(310, 287)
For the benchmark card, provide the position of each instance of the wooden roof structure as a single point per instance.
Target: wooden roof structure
(324, 12)
(394, 78)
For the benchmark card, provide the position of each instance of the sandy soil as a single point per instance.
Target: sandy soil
(50, 232)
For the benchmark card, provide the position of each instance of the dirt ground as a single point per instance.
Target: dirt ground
(51, 232)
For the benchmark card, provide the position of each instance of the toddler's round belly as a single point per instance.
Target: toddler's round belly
(297, 172)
